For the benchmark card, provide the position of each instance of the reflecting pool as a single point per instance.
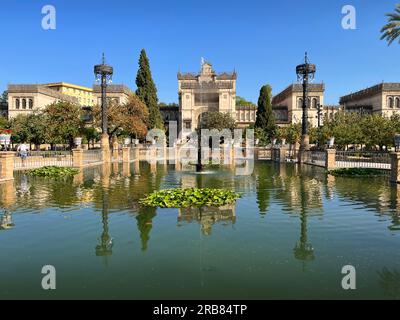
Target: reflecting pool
(287, 237)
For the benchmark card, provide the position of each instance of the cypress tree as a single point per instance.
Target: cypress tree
(147, 92)
(265, 117)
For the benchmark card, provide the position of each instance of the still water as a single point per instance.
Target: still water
(287, 237)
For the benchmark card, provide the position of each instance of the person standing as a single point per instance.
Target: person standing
(22, 152)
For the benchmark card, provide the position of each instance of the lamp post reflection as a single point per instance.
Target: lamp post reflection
(303, 250)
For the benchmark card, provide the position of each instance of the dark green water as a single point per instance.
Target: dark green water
(287, 237)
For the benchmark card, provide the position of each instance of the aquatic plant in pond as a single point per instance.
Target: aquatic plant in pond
(191, 197)
(52, 171)
(356, 172)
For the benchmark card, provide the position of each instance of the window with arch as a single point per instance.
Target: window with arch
(30, 103)
(17, 103)
(397, 103)
(248, 116)
(308, 102)
(390, 102)
(314, 103)
(300, 103)
(242, 115)
(23, 103)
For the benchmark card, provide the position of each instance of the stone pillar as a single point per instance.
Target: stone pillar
(7, 165)
(303, 156)
(275, 154)
(330, 161)
(126, 169)
(77, 158)
(395, 167)
(282, 154)
(115, 148)
(126, 154)
(136, 167)
(105, 148)
(136, 154)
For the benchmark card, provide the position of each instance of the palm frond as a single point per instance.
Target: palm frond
(391, 31)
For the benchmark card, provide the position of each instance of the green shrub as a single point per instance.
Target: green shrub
(356, 172)
(51, 171)
(192, 197)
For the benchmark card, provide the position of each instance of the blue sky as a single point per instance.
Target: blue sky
(262, 40)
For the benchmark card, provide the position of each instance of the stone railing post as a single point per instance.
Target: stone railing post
(7, 165)
(105, 149)
(115, 147)
(330, 159)
(126, 154)
(282, 154)
(395, 167)
(136, 154)
(77, 158)
(256, 153)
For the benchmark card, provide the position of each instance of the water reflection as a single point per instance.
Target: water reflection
(389, 281)
(285, 211)
(207, 217)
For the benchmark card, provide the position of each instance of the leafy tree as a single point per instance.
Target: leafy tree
(19, 127)
(240, 101)
(391, 31)
(265, 118)
(292, 133)
(37, 126)
(91, 135)
(127, 119)
(147, 92)
(217, 120)
(4, 124)
(63, 122)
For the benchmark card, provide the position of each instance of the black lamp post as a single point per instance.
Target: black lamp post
(305, 74)
(103, 74)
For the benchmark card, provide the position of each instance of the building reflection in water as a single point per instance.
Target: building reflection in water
(208, 216)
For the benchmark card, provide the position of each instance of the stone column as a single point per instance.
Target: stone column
(282, 154)
(126, 154)
(275, 154)
(330, 161)
(105, 148)
(395, 167)
(136, 154)
(303, 156)
(77, 158)
(7, 165)
(115, 149)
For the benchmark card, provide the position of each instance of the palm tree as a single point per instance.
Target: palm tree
(391, 31)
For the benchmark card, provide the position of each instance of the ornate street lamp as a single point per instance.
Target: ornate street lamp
(103, 74)
(305, 74)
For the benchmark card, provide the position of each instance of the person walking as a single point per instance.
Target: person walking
(22, 152)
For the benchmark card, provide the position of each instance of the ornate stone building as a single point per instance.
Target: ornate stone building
(245, 115)
(383, 99)
(25, 98)
(83, 94)
(287, 105)
(204, 92)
